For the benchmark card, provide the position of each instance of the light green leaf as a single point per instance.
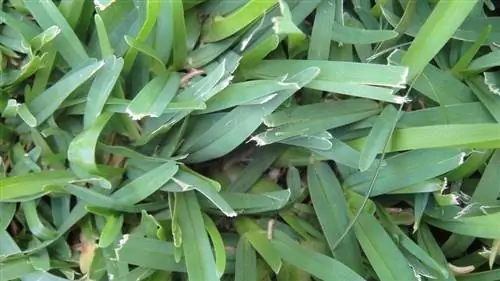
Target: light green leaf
(422, 50)
(37, 227)
(220, 27)
(81, 151)
(483, 226)
(247, 93)
(351, 35)
(437, 84)
(111, 230)
(315, 118)
(218, 245)
(246, 203)
(102, 34)
(438, 136)
(44, 38)
(334, 71)
(179, 48)
(17, 187)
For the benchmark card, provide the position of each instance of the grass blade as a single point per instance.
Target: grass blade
(328, 200)
(44, 105)
(145, 185)
(313, 262)
(179, 49)
(149, 253)
(379, 135)
(81, 151)
(101, 88)
(152, 8)
(218, 244)
(219, 27)
(69, 46)
(478, 136)
(387, 261)
(422, 50)
(250, 231)
(399, 171)
(111, 230)
(246, 261)
(15, 188)
(153, 99)
(200, 261)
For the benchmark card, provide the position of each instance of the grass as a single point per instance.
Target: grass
(287, 140)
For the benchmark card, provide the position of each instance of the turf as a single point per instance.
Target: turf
(287, 140)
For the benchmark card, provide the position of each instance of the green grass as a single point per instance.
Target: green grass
(266, 140)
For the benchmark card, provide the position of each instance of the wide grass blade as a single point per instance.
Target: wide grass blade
(218, 244)
(250, 231)
(246, 261)
(187, 179)
(154, 98)
(15, 188)
(311, 261)
(81, 151)
(430, 39)
(101, 89)
(334, 71)
(247, 93)
(200, 261)
(145, 185)
(429, 244)
(149, 253)
(221, 27)
(400, 170)
(350, 35)
(378, 137)
(440, 136)
(484, 226)
(387, 261)
(331, 208)
(179, 48)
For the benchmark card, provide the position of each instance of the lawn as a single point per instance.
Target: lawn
(249, 140)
